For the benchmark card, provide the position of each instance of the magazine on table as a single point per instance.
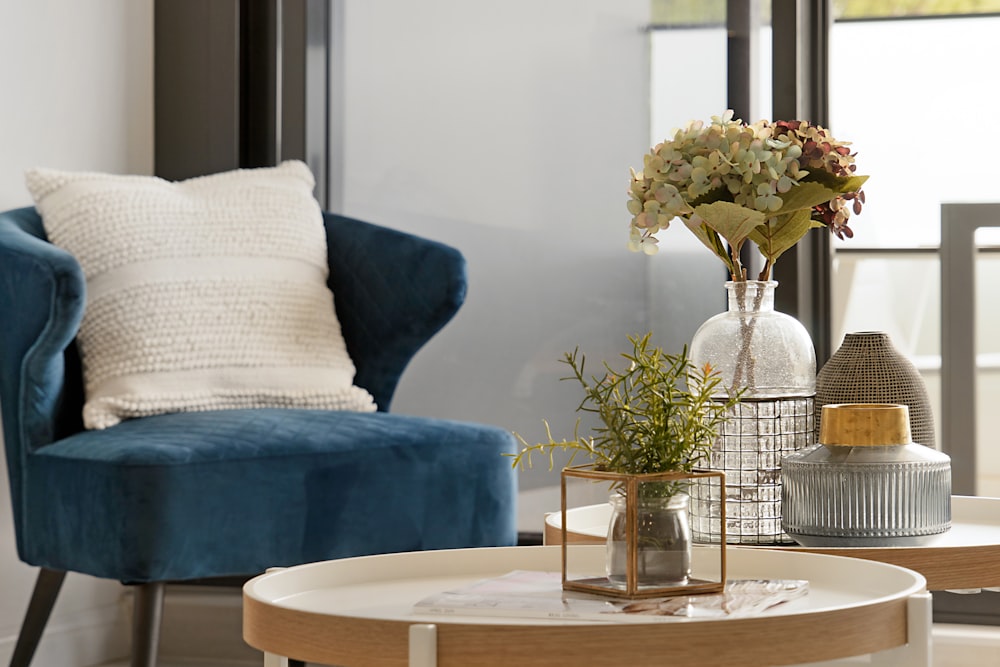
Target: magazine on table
(529, 593)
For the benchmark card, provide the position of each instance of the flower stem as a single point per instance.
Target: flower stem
(765, 273)
(745, 365)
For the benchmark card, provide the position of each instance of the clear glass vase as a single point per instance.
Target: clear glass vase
(769, 356)
(663, 540)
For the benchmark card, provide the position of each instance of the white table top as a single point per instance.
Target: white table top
(967, 556)
(374, 596)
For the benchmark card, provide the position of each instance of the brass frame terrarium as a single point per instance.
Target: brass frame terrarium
(630, 483)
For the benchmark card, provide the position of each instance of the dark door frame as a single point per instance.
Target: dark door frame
(242, 84)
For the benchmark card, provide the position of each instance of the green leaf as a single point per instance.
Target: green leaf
(839, 184)
(852, 184)
(715, 194)
(732, 221)
(805, 196)
(782, 232)
(711, 239)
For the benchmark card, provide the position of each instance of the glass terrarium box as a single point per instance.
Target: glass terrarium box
(649, 544)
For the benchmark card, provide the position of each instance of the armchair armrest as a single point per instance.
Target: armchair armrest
(42, 298)
(393, 291)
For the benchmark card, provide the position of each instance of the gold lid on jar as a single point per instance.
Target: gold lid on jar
(865, 425)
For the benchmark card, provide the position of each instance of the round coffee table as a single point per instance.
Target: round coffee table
(358, 612)
(966, 557)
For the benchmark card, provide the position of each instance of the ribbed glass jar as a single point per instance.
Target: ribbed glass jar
(769, 356)
(856, 488)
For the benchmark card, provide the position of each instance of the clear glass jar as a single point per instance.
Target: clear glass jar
(867, 485)
(663, 540)
(767, 353)
(770, 357)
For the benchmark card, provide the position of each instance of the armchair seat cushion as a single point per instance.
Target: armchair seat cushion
(237, 491)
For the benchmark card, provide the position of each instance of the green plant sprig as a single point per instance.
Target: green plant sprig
(657, 414)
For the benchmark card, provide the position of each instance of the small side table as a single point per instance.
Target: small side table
(966, 557)
(358, 612)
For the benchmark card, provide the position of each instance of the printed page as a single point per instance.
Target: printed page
(526, 593)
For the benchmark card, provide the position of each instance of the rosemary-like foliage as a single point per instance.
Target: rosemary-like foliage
(657, 414)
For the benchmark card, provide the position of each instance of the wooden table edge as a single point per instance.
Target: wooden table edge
(771, 639)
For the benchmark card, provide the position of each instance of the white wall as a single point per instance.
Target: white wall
(506, 129)
(75, 92)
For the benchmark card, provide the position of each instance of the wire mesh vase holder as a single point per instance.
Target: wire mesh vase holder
(749, 449)
(768, 356)
(632, 582)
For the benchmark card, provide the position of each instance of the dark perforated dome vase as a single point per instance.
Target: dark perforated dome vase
(869, 369)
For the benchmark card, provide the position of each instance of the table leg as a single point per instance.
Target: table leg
(272, 660)
(423, 645)
(917, 652)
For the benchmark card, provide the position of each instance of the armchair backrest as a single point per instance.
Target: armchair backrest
(393, 291)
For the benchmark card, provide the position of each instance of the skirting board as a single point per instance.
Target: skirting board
(98, 636)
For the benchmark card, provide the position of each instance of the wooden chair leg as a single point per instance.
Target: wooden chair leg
(43, 598)
(146, 617)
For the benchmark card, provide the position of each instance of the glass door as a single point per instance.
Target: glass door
(912, 110)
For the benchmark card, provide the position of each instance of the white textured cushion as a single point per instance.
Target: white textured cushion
(204, 294)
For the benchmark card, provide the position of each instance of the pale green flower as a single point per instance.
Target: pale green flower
(671, 201)
(680, 172)
(638, 242)
(766, 199)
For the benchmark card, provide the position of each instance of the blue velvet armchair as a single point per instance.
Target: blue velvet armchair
(197, 495)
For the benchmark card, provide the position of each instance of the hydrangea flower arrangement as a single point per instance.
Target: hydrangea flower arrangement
(769, 183)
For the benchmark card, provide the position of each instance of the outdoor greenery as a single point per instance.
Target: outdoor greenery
(854, 9)
(713, 12)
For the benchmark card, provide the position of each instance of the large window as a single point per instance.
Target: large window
(910, 86)
(911, 106)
